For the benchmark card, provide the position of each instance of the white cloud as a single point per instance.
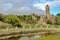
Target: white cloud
(18, 5)
(41, 5)
(56, 0)
(50, 3)
(5, 7)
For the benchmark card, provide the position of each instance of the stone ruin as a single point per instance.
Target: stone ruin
(43, 18)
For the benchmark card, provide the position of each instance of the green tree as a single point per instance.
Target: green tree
(58, 14)
(26, 18)
(13, 19)
(58, 19)
(1, 17)
(48, 21)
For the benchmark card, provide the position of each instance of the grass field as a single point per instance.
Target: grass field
(55, 37)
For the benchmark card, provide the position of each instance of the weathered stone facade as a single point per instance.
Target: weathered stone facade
(53, 19)
(47, 11)
(43, 18)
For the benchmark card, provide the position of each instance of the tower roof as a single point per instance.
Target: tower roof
(47, 5)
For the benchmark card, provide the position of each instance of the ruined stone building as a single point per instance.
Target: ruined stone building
(43, 18)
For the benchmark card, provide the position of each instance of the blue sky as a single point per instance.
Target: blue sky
(19, 6)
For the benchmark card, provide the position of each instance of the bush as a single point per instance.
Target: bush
(48, 21)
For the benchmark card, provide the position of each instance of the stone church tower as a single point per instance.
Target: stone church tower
(49, 16)
(47, 12)
(43, 18)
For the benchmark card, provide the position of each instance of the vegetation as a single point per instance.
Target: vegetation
(27, 20)
(58, 14)
(58, 19)
(55, 37)
(12, 19)
(48, 21)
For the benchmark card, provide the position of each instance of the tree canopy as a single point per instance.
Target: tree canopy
(13, 19)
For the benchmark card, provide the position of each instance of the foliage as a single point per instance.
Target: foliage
(48, 21)
(1, 17)
(58, 20)
(58, 14)
(14, 20)
(4, 25)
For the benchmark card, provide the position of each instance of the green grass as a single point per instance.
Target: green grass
(26, 27)
(38, 26)
(55, 37)
(56, 26)
(32, 26)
